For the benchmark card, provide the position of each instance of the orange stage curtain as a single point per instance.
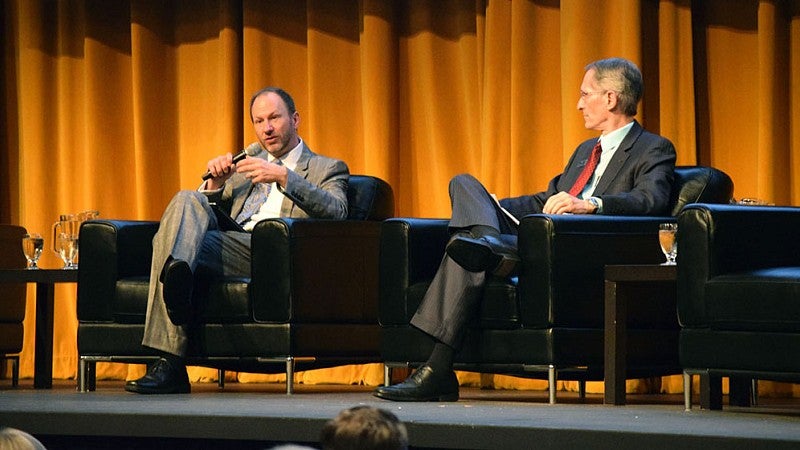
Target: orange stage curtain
(116, 105)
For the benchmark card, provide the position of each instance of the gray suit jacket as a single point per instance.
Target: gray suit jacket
(317, 187)
(637, 181)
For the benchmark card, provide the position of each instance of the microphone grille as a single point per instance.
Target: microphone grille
(253, 149)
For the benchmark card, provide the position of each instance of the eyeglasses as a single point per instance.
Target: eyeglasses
(585, 94)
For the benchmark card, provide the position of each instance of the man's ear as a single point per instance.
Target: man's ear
(612, 100)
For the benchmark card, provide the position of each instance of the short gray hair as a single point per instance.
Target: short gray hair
(621, 76)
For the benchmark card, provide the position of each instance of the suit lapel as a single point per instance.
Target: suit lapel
(303, 162)
(618, 160)
(574, 167)
(302, 169)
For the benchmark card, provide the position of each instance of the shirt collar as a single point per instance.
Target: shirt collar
(291, 157)
(613, 139)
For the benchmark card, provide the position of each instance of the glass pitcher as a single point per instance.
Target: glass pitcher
(65, 239)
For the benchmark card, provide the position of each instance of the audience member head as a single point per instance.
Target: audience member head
(14, 439)
(292, 447)
(364, 427)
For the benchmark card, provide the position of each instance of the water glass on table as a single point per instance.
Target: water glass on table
(32, 246)
(749, 201)
(667, 238)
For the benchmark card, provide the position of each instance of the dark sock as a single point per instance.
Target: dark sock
(174, 360)
(484, 230)
(441, 359)
(456, 232)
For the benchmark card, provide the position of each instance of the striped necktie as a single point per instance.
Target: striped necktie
(258, 195)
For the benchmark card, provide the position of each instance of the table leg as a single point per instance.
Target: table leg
(710, 391)
(43, 353)
(615, 334)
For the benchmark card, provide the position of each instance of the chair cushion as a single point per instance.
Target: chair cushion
(499, 306)
(130, 300)
(11, 338)
(12, 299)
(757, 300)
(220, 302)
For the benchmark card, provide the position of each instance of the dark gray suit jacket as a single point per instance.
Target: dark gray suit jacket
(317, 187)
(637, 181)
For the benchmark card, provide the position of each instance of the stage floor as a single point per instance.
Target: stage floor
(262, 415)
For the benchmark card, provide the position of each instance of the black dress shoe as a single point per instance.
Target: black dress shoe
(178, 281)
(161, 378)
(483, 254)
(424, 385)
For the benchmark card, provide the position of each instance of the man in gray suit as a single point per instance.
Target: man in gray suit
(280, 177)
(627, 171)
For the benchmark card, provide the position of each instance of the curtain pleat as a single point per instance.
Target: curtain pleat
(115, 106)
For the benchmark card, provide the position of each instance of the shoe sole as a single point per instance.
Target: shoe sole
(141, 390)
(505, 267)
(177, 292)
(473, 257)
(476, 257)
(439, 398)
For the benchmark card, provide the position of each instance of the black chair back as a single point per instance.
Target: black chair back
(369, 198)
(700, 184)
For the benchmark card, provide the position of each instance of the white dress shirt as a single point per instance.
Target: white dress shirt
(272, 207)
(609, 143)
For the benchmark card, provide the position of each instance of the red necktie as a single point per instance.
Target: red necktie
(588, 170)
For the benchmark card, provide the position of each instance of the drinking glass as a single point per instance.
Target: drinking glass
(89, 214)
(67, 247)
(754, 202)
(667, 238)
(32, 246)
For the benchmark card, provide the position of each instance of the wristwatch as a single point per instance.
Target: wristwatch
(595, 202)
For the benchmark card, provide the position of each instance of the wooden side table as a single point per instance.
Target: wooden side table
(616, 315)
(45, 280)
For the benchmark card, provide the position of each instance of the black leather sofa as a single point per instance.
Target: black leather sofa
(311, 301)
(548, 320)
(738, 298)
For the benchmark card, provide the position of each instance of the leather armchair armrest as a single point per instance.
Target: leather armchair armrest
(720, 239)
(410, 251)
(315, 271)
(563, 259)
(110, 250)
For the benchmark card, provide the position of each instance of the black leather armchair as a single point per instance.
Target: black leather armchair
(12, 299)
(738, 298)
(548, 320)
(311, 301)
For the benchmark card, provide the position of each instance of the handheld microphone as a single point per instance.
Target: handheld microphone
(250, 150)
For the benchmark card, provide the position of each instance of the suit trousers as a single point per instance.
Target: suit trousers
(189, 231)
(453, 298)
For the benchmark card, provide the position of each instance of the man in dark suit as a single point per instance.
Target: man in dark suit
(627, 171)
(280, 177)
